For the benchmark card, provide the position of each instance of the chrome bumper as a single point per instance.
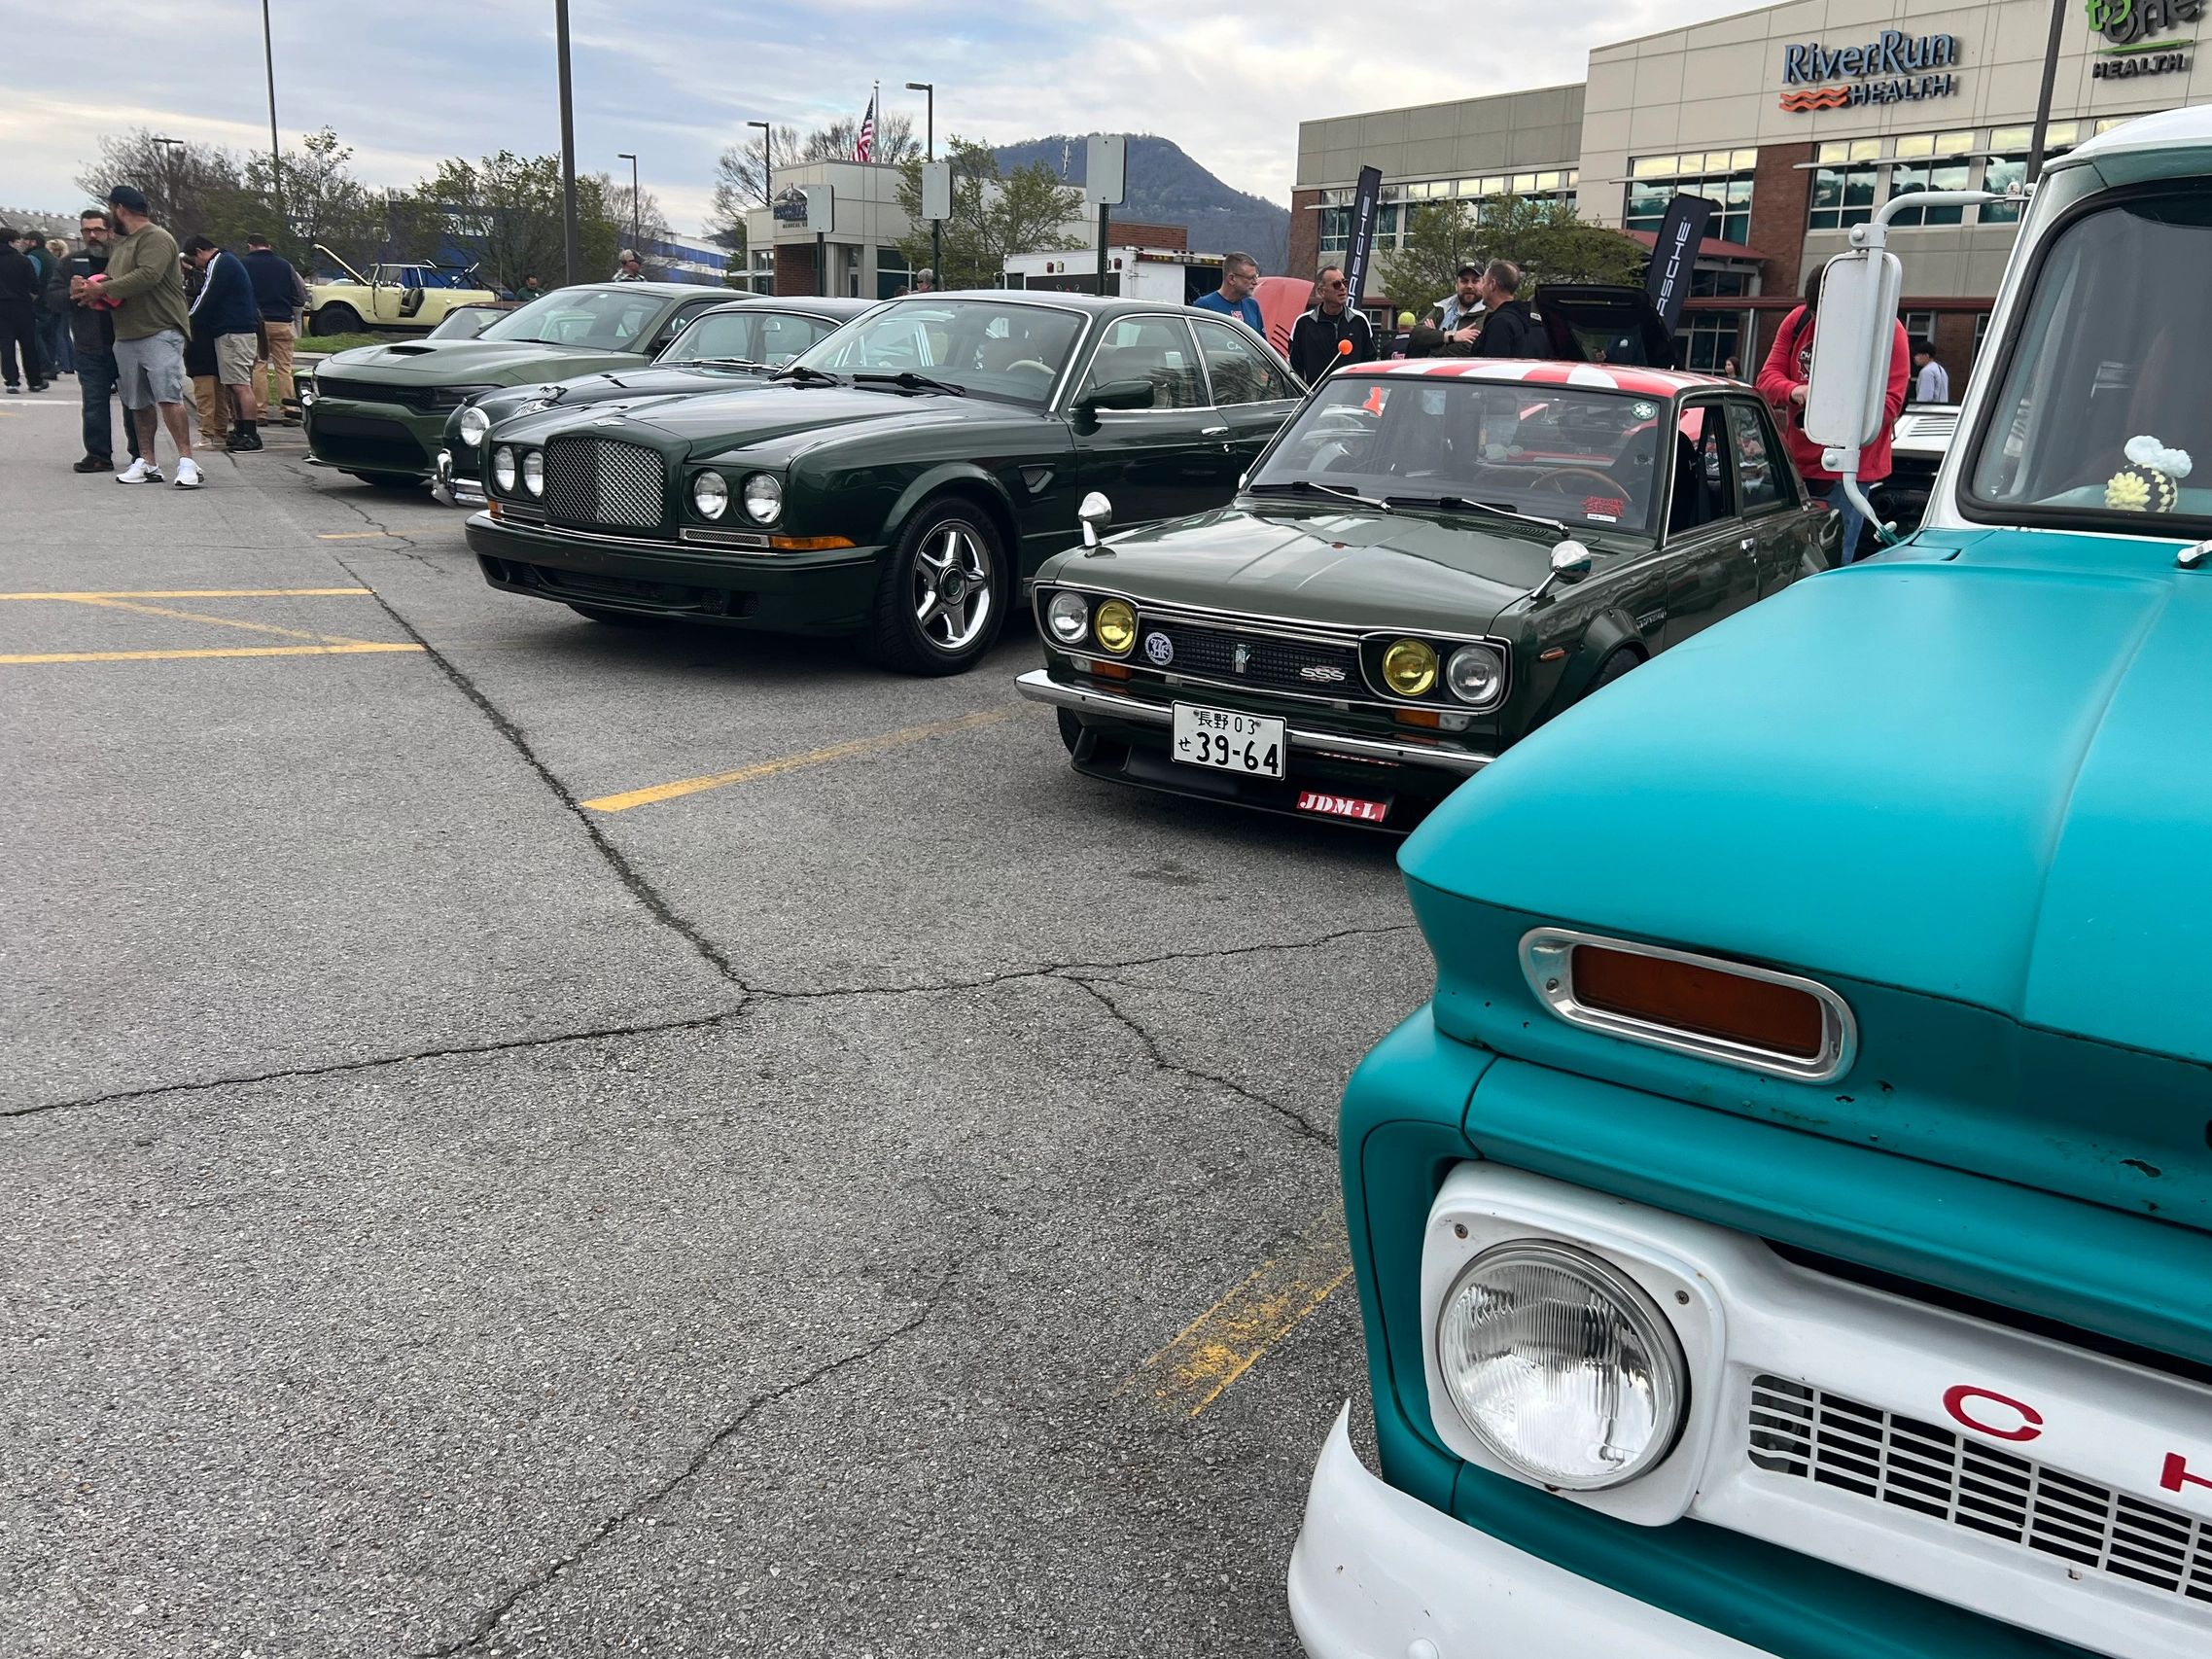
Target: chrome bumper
(451, 492)
(1039, 687)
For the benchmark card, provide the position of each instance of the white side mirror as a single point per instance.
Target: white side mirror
(1094, 515)
(1846, 397)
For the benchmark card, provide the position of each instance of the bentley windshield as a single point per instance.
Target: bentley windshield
(991, 348)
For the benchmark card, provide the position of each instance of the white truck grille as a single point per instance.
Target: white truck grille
(1798, 1429)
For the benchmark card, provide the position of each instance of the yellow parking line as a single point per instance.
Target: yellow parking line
(1230, 1338)
(220, 622)
(352, 650)
(200, 593)
(793, 762)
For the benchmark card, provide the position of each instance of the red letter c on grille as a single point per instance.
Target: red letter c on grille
(2032, 1420)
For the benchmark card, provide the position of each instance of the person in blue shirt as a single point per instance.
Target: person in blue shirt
(1240, 275)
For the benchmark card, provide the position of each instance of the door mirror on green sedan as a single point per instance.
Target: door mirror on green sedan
(1118, 394)
(1571, 563)
(1094, 515)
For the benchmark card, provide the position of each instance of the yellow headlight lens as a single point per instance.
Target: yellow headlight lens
(1409, 667)
(1115, 625)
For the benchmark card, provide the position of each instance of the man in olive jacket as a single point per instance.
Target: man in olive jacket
(145, 281)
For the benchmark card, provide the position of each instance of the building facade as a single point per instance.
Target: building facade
(1799, 120)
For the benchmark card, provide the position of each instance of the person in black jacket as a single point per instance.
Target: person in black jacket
(1509, 328)
(226, 313)
(91, 332)
(18, 314)
(1333, 334)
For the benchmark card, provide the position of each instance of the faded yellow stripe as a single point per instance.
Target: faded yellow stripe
(1227, 1340)
(354, 649)
(793, 762)
(200, 593)
(220, 622)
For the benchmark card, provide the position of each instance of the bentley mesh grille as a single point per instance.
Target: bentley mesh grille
(1267, 663)
(1801, 1431)
(603, 480)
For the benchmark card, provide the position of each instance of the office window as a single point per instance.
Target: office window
(2008, 166)
(1843, 195)
(1336, 229)
(1981, 330)
(1709, 338)
(1909, 177)
(1723, 176)
(1919, 326)
(1716, 284)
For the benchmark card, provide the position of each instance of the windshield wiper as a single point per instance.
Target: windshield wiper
(910, 381)
(727, 362)
(809, 376)
(1295, 486)
(1463, 504)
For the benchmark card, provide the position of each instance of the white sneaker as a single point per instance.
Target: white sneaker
(188, 475)
(139, 472)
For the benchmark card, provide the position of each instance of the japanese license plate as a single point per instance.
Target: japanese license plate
(1232, 742)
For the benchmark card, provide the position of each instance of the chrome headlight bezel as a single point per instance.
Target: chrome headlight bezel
(1066, 606)
(1473, 656)
(710, 494)
(506, 467)
(474, 426)
(764, 497)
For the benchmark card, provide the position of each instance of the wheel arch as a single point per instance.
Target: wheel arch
(962, 481)
(1610, 631)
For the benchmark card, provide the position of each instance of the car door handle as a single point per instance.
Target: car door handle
(1750, 544)
(1213, 431)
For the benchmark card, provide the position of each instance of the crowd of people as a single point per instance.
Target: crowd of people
(130, 312)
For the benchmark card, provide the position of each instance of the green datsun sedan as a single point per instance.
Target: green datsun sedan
(379, 412)
(1435, 558)
(900, 482)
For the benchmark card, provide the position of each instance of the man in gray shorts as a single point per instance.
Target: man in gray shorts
(226, 316)
(145, 284)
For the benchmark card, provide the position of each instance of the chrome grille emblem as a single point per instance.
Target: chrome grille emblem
(1242, 658)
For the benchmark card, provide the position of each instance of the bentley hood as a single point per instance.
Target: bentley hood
(782, 414)
(446, 363)
(1352, 568)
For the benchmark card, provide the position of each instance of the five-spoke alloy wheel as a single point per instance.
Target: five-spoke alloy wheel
(941, 599)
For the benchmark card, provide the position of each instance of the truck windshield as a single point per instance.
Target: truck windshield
(2100, 415)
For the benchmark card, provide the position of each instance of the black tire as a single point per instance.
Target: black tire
(336, 319)
(618, 618)
(1071, 729)
(899, 636)
(389, 480)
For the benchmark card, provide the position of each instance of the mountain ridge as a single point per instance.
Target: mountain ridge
(1167, 185)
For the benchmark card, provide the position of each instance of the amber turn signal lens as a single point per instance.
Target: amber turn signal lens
(1417, 716)
(1114, 624)
(1409, 667)
(1685, 997)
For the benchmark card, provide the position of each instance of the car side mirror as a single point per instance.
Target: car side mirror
(1095, 514)
(1571, 563)
(1846, 396)
(1119, 394)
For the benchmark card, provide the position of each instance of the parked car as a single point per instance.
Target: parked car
(398, 299)
(1786, 1228)
(1920, 438)
(1434, 558)
(901, 480)
(737, 343)
(467, 322)
(379, 412)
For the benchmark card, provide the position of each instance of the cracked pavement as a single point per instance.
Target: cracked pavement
(446, 1220)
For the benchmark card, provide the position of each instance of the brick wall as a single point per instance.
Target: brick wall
(1131, 233)
(794, 269)
(1781, 192)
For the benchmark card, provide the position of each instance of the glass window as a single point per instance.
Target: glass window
(1909, 179)
(1981, 330)
(1649, 191)
(1655, 166)
(1157, 349)
(1717, 284)
(1710, 340)
(1953, 143)
(1704, 474)
(754, 335)
(1239, 371)
(1866, 148)
(1759, 461)
(1919, 144)
(1842, 196)
(596, 319)
(995, 348)
(2104, 357)
(1919, 326)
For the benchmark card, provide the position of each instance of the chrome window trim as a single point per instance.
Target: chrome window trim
(1547, 962)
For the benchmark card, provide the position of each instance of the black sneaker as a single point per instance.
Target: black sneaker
(242, 442)
(95, 464)
(13, 390)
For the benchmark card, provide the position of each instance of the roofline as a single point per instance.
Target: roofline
(1447, 103)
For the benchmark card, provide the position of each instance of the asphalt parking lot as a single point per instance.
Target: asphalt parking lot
(523, 1136)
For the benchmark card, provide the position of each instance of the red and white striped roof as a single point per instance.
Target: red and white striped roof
(1542, 372)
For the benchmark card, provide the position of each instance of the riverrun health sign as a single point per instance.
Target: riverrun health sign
(1888, 70)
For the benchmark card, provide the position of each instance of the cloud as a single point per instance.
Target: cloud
(676, 80)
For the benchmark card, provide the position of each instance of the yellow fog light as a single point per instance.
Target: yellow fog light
(1115, 625)
(1409, 667)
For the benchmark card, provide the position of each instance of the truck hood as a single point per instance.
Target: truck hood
(459, 361)
(1350, 568)
(1976, 777)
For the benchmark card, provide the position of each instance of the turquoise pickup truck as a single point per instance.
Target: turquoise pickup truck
(1788, 1228)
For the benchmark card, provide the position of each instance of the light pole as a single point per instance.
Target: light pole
(169, 148)
(276, 157)
(571, 245)
(637, 215)
(2043, 99)
(936, 225)
(768, 197)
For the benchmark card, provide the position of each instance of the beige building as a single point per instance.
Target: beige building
(859, 256)
(1799, 120)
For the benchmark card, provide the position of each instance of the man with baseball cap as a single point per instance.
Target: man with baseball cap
(630, 268)
(145, 282)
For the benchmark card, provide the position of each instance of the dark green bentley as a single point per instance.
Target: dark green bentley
(1434, 557)
(901, 480)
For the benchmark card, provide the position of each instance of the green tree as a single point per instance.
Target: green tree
(324, 204)
(191, 188)
(1546, 239)
(507, 210)
(991, 218)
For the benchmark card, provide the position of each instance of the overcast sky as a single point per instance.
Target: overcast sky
(407, 82)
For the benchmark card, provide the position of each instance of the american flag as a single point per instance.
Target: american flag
(865, 146)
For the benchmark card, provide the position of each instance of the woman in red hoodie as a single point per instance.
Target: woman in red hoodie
(1782, 381)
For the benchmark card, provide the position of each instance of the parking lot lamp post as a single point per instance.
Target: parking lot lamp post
(275, 155)
(929, 127)
(767, 193)
(637, 214)
(571, 244)
(169, 148)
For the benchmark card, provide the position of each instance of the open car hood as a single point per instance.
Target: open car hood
(1581, 320)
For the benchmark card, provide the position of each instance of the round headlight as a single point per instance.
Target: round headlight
(1114, 625)
(1562, 1367)
(503, 467)
(710, 494)
(1068, 616)
(475, 425)
(763, 498)
(533, 470)
(1475, 674)
(1409, 667)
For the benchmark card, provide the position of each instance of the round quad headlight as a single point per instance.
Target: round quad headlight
(1475, 673)
(763, 498)
(710, 494)
(1409, 667)
(1560, 1366)
(502, 468)
(1114, 626)
(1068, 616)
(476, 425)
(533, 470)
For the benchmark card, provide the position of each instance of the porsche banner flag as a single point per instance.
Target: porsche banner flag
(1362, 243)
(1675, 255)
